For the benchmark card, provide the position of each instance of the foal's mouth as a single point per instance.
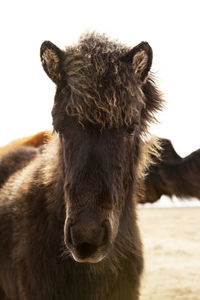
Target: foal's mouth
(87, 253)
(96, 258)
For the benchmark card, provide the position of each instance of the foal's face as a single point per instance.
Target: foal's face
(98, 172)
(97, 113)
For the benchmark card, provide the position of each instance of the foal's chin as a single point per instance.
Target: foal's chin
(92, 260)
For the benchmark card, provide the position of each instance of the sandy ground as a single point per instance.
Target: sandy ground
(171, 238)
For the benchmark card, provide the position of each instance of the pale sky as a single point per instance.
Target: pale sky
(171, 27)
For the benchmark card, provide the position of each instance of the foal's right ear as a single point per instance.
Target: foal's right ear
(52, 57)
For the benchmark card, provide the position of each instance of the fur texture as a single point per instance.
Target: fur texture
(15, 160)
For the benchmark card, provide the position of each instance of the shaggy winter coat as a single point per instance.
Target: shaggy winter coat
(68, 224)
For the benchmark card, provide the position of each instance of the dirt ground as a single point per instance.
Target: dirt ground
(171, 238)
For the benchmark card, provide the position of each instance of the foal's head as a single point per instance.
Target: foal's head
(103, 103)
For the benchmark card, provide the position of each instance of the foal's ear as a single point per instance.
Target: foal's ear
(52, 57)
(141, 58)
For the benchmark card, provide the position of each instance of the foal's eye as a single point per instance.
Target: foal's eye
(131, 129)
(61, 137)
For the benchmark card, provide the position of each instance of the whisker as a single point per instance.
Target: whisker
(64, 253)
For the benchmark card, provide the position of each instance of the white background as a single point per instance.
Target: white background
(171, 27)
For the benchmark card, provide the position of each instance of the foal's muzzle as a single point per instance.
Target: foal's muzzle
(88, 240)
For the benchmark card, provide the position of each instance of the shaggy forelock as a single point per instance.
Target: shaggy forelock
(103, 90)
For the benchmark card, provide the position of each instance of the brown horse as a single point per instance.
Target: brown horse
(35, 140)
(68, 226)
(172, 175)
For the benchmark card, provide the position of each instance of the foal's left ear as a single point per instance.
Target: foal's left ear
(52, 57)
(141, 59)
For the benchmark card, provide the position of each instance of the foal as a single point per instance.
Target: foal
(68, 226)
